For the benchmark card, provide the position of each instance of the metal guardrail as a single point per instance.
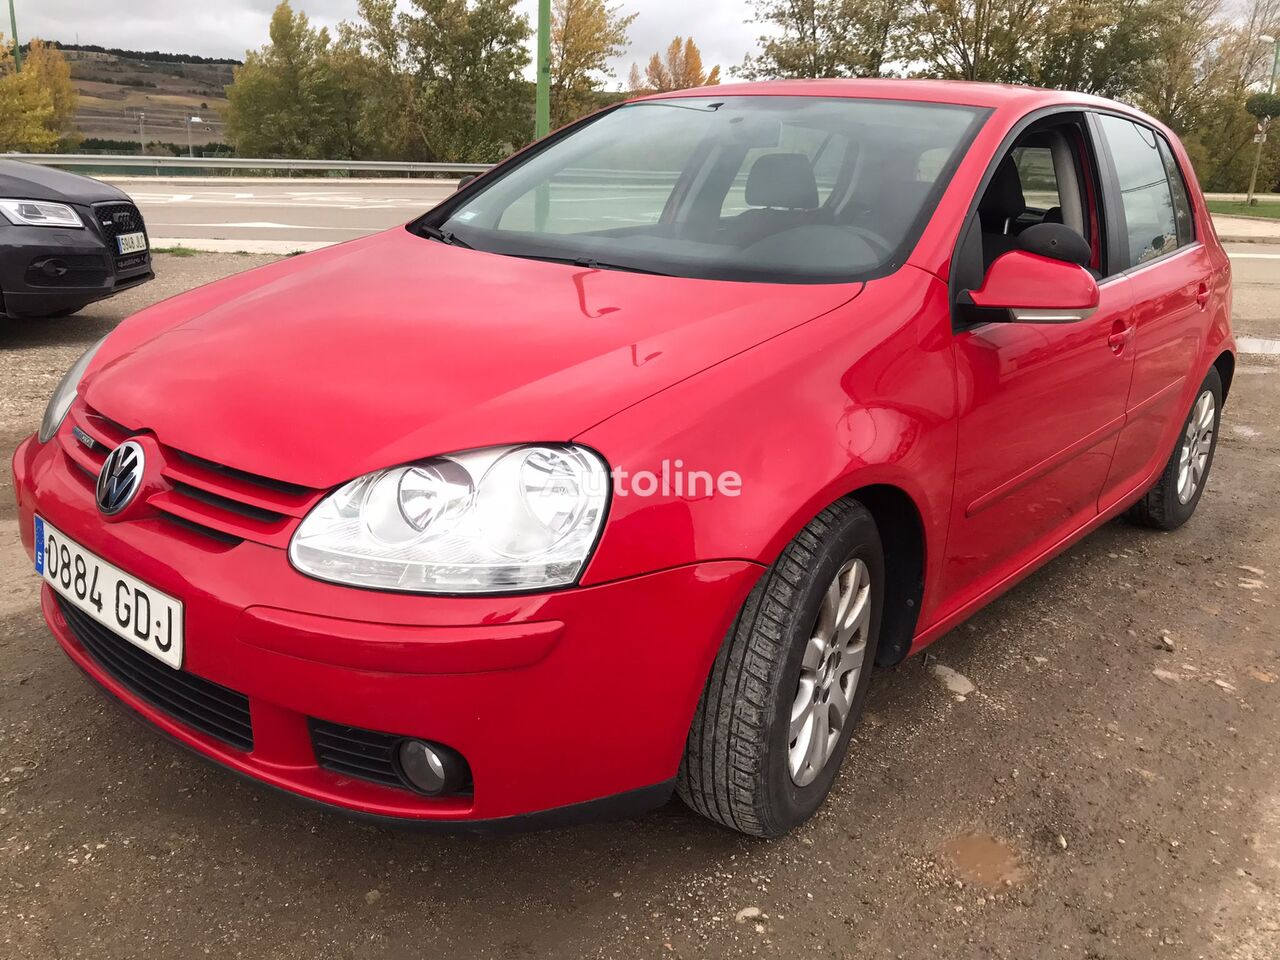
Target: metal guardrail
(125, 162)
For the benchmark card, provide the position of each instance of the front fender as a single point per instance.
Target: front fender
(862, 395)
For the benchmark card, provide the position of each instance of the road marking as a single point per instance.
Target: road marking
(1258, 345)
(1254, 256)
(262, 225)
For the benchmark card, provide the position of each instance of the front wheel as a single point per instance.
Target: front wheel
(1173, 499)
(788, 685)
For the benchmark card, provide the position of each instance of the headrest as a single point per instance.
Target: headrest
(782, 180)
(1003, 198)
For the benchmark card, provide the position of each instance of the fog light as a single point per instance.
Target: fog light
(431, 768)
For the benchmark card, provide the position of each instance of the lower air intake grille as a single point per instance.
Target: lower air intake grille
(200, 704)
(353, 752)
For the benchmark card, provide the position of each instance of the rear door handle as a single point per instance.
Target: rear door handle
(1202, 293)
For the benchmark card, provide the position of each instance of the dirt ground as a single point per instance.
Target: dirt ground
(1088, 769)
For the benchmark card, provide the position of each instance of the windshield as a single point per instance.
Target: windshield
(779, 189)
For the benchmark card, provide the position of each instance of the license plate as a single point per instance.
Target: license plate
(148, 618)
(131, 242)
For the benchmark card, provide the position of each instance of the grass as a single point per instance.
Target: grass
(1265, 208)
(176, 251)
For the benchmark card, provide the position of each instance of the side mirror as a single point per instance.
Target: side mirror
(1037, 289)
(464, 181)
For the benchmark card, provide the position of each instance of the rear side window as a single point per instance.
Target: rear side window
(1150, 222)
(1181, 196)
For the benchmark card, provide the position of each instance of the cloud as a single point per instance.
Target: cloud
(227, 28)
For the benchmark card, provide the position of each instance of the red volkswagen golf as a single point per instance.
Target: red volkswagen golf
(618, 472)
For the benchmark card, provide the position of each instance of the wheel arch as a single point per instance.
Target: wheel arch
(1225, 363)
(902, 537)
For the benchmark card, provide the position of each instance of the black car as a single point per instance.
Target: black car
(65, 241)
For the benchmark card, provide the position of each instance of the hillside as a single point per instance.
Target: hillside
(115, 87)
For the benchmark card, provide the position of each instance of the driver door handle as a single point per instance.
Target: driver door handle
(1119, 336)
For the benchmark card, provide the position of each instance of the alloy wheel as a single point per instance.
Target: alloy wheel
(829, 672)
(1197, 444)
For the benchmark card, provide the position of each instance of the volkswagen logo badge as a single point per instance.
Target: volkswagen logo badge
(120, 478)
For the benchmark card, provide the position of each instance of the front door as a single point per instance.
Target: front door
(1040, 405)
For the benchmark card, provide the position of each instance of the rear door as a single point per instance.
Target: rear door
(1170, 275)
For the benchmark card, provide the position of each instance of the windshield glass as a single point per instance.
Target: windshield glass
(769, 188)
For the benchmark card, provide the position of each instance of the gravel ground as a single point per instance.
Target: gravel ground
(1085, 770)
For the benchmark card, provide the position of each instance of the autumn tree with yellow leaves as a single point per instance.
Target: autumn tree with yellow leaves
(678, 69)
(38, 103)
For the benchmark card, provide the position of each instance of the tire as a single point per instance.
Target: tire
(1171, 502)
(738, 764)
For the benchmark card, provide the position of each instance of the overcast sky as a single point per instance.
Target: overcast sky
(226, 28)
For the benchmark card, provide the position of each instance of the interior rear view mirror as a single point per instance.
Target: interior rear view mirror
(1036, 289)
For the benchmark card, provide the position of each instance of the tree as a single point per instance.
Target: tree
(585, 35)
(993, 40)
(824, 38)
(1105, 47)
(288, 100)
(449, 74)
(50, 72)
(38, 104)
(679, 69)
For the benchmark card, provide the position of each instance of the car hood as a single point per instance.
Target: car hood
(26, 181)
(391, 348)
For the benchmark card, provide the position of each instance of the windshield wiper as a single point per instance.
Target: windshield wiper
(591, 263)
(443, 236)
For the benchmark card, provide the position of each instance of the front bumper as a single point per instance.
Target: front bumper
(556, 700)
(92, 268)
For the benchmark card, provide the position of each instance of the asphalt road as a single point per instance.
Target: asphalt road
(305, 212)
(1097, 779)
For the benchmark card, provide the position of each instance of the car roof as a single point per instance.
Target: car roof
(963, 92)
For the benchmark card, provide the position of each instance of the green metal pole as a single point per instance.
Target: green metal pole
(542, 113)
(17, 47)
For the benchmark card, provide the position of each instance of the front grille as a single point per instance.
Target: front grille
(353, 752)
(226, 504)
(117, 218)
(201, 704)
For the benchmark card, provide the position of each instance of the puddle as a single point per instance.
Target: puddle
(981, 859)
(1258, 345)
(954, 681)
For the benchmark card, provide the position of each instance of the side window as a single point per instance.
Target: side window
(1150, 222)
(1181, 196)
(1039, 181)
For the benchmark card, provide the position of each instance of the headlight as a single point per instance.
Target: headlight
(64, 395)
(39, 213)
(485, 521)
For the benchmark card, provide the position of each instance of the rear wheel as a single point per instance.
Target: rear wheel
(1173, 499)
(788, 685)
